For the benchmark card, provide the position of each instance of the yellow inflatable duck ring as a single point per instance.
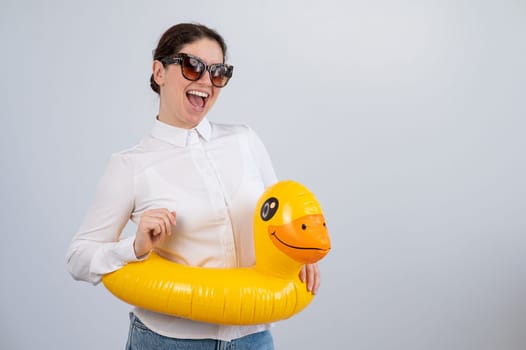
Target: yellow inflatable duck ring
(289, 231)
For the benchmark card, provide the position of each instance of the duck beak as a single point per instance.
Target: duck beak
(305, 239)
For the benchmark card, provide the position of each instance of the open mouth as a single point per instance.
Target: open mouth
(197, 98)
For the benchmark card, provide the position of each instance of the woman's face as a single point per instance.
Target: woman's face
(184, 103)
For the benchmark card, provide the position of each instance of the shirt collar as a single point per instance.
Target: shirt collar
(179, 136)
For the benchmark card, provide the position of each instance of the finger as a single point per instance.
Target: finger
(310, 277)
(173, 217)
(317, 280)
(303, 274)
(313, 278)
(153, 225)
(170, 216)
(156, 228)
(161, 212)
(166, 214)
(162, 218)
(167, 224)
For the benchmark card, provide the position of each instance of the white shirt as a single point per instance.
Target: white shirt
(212, 176)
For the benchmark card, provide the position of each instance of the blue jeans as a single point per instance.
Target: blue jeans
(142, 338)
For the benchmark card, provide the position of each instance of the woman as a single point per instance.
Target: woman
(191, 186)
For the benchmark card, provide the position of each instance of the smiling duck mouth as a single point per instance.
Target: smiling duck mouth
(292, 246)
(304, 239)
(197, 98)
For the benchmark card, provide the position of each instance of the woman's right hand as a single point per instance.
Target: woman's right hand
(154, 226)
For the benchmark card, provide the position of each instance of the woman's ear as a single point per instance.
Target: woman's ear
(158, 72)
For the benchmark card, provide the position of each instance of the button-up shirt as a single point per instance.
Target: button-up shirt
(211, 176)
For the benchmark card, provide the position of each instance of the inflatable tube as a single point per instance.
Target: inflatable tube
(289, 231)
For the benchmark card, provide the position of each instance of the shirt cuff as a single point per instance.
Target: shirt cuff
(113, 256)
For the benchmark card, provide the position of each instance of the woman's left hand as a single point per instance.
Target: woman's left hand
(310, 274)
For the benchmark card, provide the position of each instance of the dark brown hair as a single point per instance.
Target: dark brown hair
(178, 36)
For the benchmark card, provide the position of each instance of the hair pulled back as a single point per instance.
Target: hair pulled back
(177, 36)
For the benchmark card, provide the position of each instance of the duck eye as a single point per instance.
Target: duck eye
(303, 226)
(324, 224)
(269, 208)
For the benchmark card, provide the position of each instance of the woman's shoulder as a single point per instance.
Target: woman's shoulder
(132, 155)
(146, 145)
(221, 129)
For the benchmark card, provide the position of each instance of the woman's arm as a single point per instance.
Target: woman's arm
(96, 249)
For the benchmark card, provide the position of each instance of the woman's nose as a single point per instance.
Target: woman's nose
(205, 78)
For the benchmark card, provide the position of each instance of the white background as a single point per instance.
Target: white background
(405, 118)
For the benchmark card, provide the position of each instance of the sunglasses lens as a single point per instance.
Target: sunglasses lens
(192, 68)
(220, 75)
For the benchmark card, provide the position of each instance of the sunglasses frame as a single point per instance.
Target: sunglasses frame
(179, 57)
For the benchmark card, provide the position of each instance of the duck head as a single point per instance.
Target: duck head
(289, 229)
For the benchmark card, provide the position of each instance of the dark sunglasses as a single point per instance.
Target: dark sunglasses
(193, 68)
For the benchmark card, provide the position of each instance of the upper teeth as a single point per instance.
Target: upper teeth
(198, 93)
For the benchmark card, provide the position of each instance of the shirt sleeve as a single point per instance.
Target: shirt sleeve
(262, 158)
(97, 249)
